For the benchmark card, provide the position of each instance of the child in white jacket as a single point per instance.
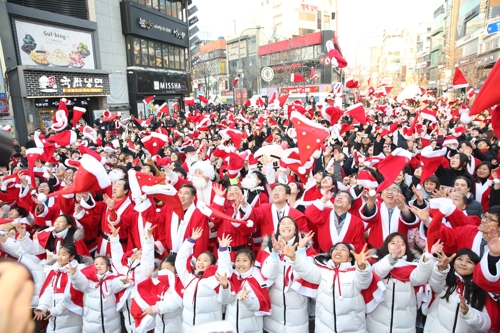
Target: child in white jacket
(51, 305)
(99, 286)
(459, 304)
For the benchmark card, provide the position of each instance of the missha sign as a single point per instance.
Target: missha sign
(156, 83)
(152, 24)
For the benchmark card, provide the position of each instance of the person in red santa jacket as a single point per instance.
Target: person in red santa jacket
(387, 216)
(337, 224)
(268, 215)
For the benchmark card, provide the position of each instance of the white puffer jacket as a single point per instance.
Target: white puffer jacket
(62, 320)
(200, 298)
(170, 317)
(289, 309)
(442, 314)
(398, 312)
(99, 311)
(138, 270)
(341, 308)
(245, 314)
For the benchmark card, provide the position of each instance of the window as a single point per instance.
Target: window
(171, 57)
(177, 58)
(278, 19)
(149, 3)
(169, 8)
(165, 56)
(162, 6)
(155, 54)
(151, 50)
(155, 4)
(144, 47)
(303, 32)
(158, 62)
(137, 51)
(307, 16)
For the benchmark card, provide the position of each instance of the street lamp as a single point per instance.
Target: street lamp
(239, 58)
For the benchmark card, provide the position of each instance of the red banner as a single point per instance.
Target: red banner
(300, 90)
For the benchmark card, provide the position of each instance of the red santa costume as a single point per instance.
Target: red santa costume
(352, 231)
(119, 217)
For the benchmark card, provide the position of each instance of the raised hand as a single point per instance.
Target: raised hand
(276, 244)
(21, 230)
(219, 190)
(444, 260)
(78, 208)
(395, 254)
(437, 247)
(149, 232)
(108, 201)
(493, 242)
(71, 269)
(422, 214)
(225, 241)
(114, 231)
(464, 308)
(362, 257)
(400, 200)
(243, 295)
(289, 250)
(222, 279)
(304, 240)
(419, 194)
(327, 197)
(197, 233)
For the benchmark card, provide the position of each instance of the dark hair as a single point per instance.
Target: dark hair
(181, 171)
(190, 187)
(261, 177)
(170, 259)
(277, 233)
(287, 188)
(384, 250)
(495, 210)
(300, 188)
(106, 260)
(71, 248)
(467, 143)
(463, 160)
(69, 239)
(349, 195)
(238, 186)
(246, 252)
(488, 165)
(126, 184)
(213, 261)
(433, 179)
(41, 181)
(349, 247)
(21, 211)
(463, 178)
(474, 295)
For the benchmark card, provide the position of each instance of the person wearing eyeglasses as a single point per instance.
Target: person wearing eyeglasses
(268, 215)
(387, 215)
(470, 235)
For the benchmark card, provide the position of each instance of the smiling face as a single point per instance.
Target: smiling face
(44, 188)
(233, 193)
(396, 241)
(482, 145)
(243, 263)
(203, 262)
(461, 186)
(287, 228)
(488, 221)
(341, 254)
(101, 265)
(326, 182)
(458, 200)
(483, 171)
(60, 224)
(342, 202)
(400, 177)
(119, 189)
(429, 186)
(464, 266)
(279, 195)
(186, 196)
(389, 195)
(63, 257)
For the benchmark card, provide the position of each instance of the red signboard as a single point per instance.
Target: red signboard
(300, 90)
(241, 95)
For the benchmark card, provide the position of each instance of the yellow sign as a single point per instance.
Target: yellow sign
(82, 90)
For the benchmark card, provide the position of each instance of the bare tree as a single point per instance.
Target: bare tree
(203, 71)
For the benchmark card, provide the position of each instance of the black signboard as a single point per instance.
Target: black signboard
(140, 22)
(154, 83)
(193, 20)
(194, 40)
(192, 10)
(195, 61)
(193, 30)
(54, 102)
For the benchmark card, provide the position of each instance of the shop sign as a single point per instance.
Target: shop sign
(145, 24)
(52, 46)
(4, 104)
(42, 83)
(300, 90)
(156, 83)
(306, 6)
(54, 102)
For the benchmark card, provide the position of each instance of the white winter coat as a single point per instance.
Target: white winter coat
(398, 312)
(337, 310)
(99, 313)
(442, 314)
(62, 319)
(289, 313)
(170, 317)
(244, 315)
(138, 270)
(203, 306)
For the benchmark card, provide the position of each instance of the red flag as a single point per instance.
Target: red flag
(357, 111)
(235, 81)
(313, 74)
(149, 99)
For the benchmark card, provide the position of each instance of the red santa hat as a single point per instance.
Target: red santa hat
(167, 194)
(203, 99)
(392, 165)
(429, 114)
(205, 167)
(32, 155)
(154, 142)
(231, 134)
(357, 111)
(213, 214)
(351, 83)
(458, 131)
(77, 115)
(112, 117)
(449, 140)
(88, 132)
(235, 81)
(234, 164)
(64, 139)
(7, 128)
(310, 135)
(459, 80)
(431, 160)
(334, 55)
(313, 74)
(149, 99)
(471, 93)
(332, 114)
(138, 179)
(366, 180)
(60, 120)
(282, 100)
(163, 109)
(90, 176)
(85, 150)
(291, 158)
(294, 77)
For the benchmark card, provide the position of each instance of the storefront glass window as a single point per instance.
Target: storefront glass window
(162, 5)
(158, 55)
(179, 10)
(144, 47)
(183, 58)
(174, 9)
(177, 58)
(141, 2)
(149, 3)
(165, 56)
(151, 50)
(155, 4)
(169, 8)
(137, 51)
(171, 57)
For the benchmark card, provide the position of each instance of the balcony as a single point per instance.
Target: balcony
(436, 30)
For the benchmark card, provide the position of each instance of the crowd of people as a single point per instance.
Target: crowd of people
(380, 218)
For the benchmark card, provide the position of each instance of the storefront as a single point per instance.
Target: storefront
(157, 47)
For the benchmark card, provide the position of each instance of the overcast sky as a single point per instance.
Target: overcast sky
(358, 19)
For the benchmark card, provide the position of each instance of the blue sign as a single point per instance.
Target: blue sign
(493, 28)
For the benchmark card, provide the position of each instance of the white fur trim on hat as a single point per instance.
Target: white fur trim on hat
(95, 168)
(160, 189)
(206, 167)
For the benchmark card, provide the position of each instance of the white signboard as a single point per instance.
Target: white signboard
(267, 74)
(52, 46)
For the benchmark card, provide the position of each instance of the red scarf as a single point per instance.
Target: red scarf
(259, 290)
